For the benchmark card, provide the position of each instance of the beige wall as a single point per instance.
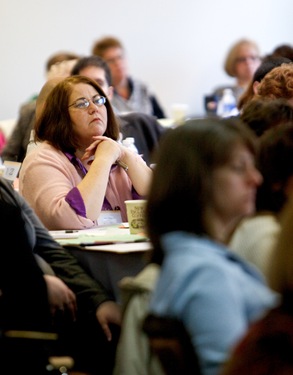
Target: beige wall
(176, 46)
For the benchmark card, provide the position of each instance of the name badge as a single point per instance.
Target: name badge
(11, 170)
(110, 218)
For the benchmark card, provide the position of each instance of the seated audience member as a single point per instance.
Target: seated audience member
(97, 319)
(256, 236)
(60, 64)
(40, 105)
(144, 128)
(242, 60)
(278, 83)
(284, 50)
(268, 63)
(24, 304)
(267, 347)
(130, 95)
(59, 295)
(15, 149)
(96, 68)
(263, 114)
(29, 299)
(207, 165)
(79, 170)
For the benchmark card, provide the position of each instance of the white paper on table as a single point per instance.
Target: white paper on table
(58, 234)
(122, 247)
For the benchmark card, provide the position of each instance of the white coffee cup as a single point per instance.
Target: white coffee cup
(136, 215)
(179, 112)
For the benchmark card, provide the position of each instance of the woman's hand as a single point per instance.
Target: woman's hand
(103, 145)
(61, 298)
(108, 312)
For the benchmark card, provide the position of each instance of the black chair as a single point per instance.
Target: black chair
(146, 131)
(31, 352)
(171, 343)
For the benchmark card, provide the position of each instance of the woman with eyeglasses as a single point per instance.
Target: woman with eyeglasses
(80, 175)
(242, 60)
(204, 182)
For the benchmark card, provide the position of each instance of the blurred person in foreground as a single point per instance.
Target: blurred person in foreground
(91, 335)
(255, 237)
(263, 114)
(267, 347)
(31, 299)
(204, 182)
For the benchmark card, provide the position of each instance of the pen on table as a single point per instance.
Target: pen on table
(97, 243)
(71, 231)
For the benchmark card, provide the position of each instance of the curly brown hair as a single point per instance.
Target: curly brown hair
(278, 83)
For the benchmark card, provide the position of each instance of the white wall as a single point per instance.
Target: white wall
(176, 46)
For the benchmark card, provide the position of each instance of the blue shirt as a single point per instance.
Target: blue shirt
(212, 291)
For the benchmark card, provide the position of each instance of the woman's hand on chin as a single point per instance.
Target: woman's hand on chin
(110, 148)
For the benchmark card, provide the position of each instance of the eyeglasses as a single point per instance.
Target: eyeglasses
(115, 59)
(84, 103)
(241, 60)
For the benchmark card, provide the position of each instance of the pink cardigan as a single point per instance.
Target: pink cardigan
(47, 176)
(2, 140)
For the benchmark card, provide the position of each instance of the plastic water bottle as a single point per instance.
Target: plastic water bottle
(130, 143)
(227, 105)
(2, 167)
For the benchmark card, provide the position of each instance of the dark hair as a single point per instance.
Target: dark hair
(54, 124)
(275, 162)
(96, 61)
(181, 185)
(268, 63)
(284, 50)
(263, 114)
(103, 44)
(60, 57)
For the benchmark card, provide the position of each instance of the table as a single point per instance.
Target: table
(108, 264)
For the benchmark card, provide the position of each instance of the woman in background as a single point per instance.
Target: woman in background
(278, 83)
(130, 94)
(80, 175)
(268, 63)
(242, 60)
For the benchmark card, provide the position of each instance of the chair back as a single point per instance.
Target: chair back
(32, 352)
(171, 343)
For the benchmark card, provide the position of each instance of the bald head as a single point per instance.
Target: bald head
(43, 94)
